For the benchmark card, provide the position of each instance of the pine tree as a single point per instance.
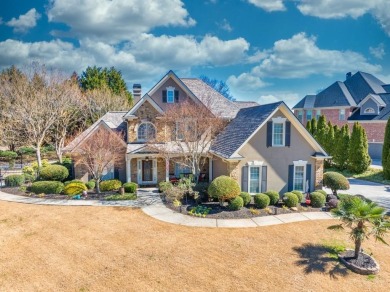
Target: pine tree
(321, 132)
(386, 151)
(330, 139)
(313, 126)
(308, 127)
(340, 156)
(359, 159)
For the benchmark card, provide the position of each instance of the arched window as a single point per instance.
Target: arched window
(146, 132)
(369, 110)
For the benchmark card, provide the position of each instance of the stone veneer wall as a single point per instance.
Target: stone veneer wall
(319, 174)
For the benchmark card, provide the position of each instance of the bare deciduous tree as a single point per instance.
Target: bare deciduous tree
(99, 151)
(193, 128)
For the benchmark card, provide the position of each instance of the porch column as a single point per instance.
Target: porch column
(128, 168)
(210, 169)
(166, 169)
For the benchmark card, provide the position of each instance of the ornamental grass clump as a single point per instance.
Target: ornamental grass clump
(224, 188)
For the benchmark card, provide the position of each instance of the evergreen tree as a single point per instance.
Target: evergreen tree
(330, 139)
(308, 127)
(321, 132)
(313, 126)
(359, 159)
(340, 156)
(386, 151)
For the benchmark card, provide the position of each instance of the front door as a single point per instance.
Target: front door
(147, 170)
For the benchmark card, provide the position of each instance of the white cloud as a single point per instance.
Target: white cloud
(113, 21)
(269, 5)
(25, 21)
(289, 98)
(225, 25)
(145, 58)
(299, 57)
(378, 52)
(348, 8)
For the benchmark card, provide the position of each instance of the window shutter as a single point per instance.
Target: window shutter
(288, 133)
(290, 178)
(269, 134)
(308, 176)
(244, 178)
(264, 178)
(176, 95)
(164, 96)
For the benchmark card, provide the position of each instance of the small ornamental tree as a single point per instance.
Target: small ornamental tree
(224, 188)
(330, 139)
(308, 127)
(335, 181)
(386, 151)
(340, 156)
(321, 132)
(363, 218)
(313, 125)
(359, 159)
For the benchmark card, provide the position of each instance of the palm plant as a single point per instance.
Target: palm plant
(363, 218)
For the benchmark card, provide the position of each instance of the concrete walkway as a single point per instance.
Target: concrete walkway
(150, 203)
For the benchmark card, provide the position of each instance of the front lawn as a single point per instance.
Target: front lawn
(372, 174)
(62, 248)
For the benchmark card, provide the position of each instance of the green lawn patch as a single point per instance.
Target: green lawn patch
(126, 196)
(372, 174)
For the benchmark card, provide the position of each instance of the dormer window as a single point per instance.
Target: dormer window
(369, 110)
(170, 95)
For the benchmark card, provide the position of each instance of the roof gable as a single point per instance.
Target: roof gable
(361, 84)
(145, 98)
(335, 95)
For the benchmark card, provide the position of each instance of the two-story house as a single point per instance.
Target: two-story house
(262, 146)
(360, 98)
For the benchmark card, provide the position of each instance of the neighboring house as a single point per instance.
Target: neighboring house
(263, 146)
(360, 98)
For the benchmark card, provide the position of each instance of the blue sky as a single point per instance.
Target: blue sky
(266, 50)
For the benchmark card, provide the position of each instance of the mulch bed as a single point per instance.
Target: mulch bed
(91, 195)
(219, 212)
(364, 264)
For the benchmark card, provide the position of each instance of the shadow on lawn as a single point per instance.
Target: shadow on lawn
(321, 259)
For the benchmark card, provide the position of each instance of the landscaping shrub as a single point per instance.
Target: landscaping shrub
(299, 195)
(273, 196)
(110, 185)
(29, 177)
(290, 199)
(74, 188)
(246, 197)
(322, 192)
(130, 187)
(236, 204)
(47, 187)
(335, 181)
(344, 196)
(54, 173)
(126, 196)
(261, 201)
(164, 186)
(14, 180)
(317, 200)
(91, 184)
(201, 188)
(224, 188)
(73, 181)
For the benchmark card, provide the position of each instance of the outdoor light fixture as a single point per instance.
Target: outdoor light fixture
(147, 158)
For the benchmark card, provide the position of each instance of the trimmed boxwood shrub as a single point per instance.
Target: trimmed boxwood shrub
(299, 195)
(290, 199)
(29, 177)
(74, 188)
(322, 192)
(110, 185)
(273, 197)
(236, 204)
(54, 173)
(73, 181)
(224, 188)
(246, 197)
(14, 180)
(47, 187)
(335, 181)
(317, 200)
(261, 201)
(130, 187)
(91, 184)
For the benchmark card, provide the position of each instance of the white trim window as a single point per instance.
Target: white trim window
(254, 176)
(342, 114)
(369, 110)
(170, 94)
(299, 179)
(278, 131)
(186, 129)
(300, 115)
(318, 114)
(309, 115)
(146, 132)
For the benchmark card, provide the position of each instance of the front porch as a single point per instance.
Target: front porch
(151, 169)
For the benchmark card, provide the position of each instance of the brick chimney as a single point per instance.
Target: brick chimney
(348, 75)
(136, 92)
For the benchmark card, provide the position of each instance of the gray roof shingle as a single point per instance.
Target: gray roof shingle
(240, 129)
(384, 113)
